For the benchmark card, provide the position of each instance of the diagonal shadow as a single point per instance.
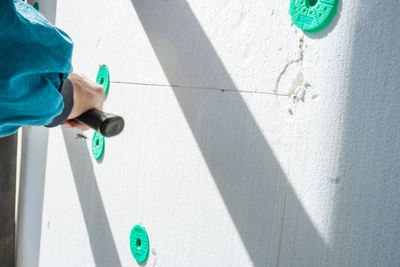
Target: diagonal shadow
(100, 236)
(250, 181)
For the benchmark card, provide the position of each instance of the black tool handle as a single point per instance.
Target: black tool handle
(105, 123)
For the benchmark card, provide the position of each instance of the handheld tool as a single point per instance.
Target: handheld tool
(106, 124)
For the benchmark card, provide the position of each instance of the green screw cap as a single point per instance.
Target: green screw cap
(36, 6)
(98, 145)
(312, 15)
(139, 241)
(103, 78)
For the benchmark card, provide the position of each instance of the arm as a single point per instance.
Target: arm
(36, 61)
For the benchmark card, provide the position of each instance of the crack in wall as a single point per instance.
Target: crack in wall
(201, 88)
(298, 60)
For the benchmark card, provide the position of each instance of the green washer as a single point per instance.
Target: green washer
(139, 242)
(312, 15)
(103, 78)
(36, 6)
(98, 144)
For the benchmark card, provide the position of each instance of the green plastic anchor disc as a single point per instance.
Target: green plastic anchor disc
(103, 78)
(98, 144)
(36, 6)
(312, 15)
(140, 245)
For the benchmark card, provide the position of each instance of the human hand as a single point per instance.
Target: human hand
(87, 95)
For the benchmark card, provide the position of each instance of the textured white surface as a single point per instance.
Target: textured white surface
(31, 195)
(178, 200)
(239, 176)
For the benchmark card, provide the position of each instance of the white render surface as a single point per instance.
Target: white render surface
(247, 142)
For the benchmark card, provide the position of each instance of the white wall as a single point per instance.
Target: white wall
(223, 168)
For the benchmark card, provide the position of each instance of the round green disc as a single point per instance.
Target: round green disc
(312, 15)
(98, 145)
(36, 6)
(103, 78)
(139, 242)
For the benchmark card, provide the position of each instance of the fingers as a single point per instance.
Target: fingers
(100, 107)
(75, 125)
(87, 95)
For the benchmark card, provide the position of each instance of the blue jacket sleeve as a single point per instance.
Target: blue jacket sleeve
(35, 59)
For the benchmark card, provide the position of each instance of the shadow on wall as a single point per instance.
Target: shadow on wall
(48, 8)
(249, 188)
(93, 210)
(367, 230)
